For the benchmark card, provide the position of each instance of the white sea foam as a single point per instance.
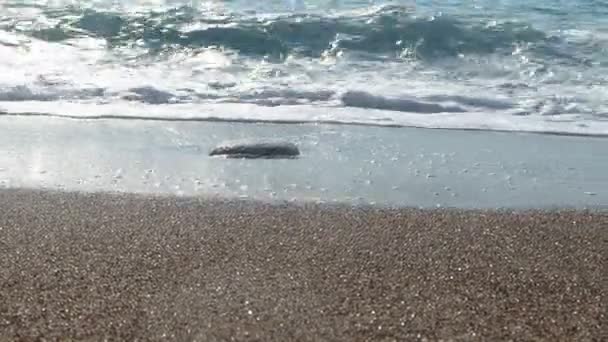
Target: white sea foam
(505, 88)
(239, 112)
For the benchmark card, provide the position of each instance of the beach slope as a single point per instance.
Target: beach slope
(75, 266)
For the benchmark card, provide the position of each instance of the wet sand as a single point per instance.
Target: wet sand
(128, 267)
(404, 167)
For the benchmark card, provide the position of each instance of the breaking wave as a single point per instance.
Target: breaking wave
(389, 30)
(378, 65)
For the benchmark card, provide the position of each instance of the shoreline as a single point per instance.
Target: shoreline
(122, 266)
(218, 198)
(381, 166)
(160, 119)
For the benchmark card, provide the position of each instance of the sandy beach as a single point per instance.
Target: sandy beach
(301, 170)
(129, 267)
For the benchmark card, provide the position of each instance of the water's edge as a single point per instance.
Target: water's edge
(402, 167)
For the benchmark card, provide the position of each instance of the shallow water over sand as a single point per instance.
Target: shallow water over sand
(347, 164)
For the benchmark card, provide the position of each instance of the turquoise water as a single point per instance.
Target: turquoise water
(515, 65)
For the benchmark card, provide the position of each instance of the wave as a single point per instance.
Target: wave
(389, 30)
(262, 97)
(24, 93)
(365, 100)
(49, 91)
(306, 114)
(497, 75)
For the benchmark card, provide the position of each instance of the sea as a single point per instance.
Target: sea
(505, 65)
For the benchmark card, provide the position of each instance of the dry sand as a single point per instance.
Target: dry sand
(76, 266)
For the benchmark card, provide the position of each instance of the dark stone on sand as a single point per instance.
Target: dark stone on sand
(256, 149)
